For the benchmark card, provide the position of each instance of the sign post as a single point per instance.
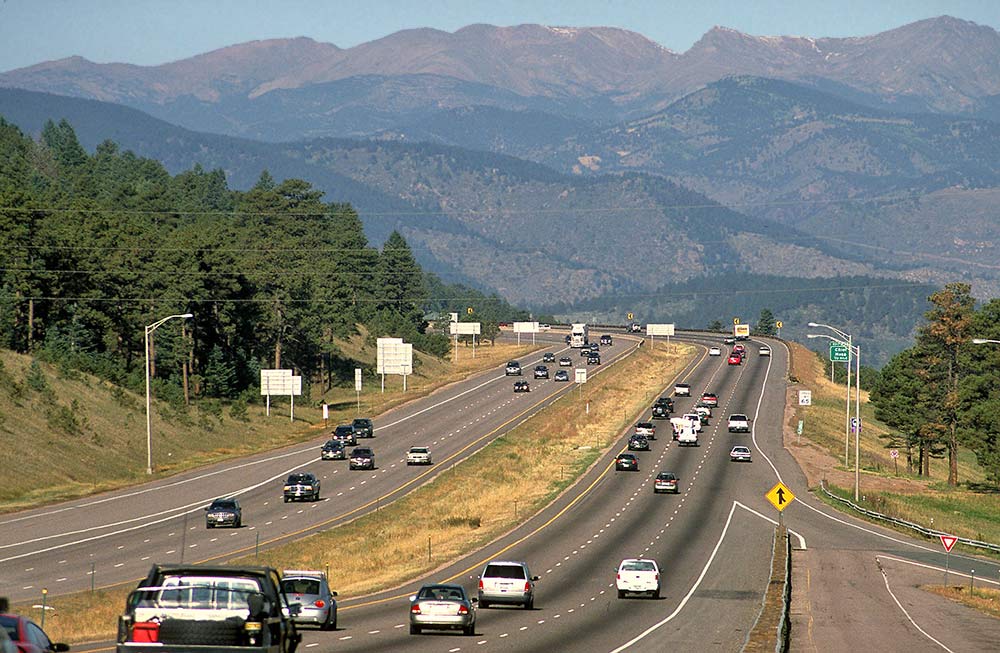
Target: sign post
(466, 329)
(947, 541)
(653, 330)
(525, 327)
(780, 497)
(894, 454)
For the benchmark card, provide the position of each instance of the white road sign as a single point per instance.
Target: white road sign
(659, 329)
(357, 379)
(526, 327)
(805, 397)
(466, 328)
(581, 375)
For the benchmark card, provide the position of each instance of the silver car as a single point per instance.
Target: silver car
(507, 582)
(442, 607)
(310, 589)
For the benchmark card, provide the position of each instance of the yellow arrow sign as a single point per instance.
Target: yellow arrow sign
(780, 496)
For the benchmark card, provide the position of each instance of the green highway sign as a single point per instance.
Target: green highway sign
(839, 353)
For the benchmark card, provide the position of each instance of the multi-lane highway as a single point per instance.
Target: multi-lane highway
(713, 541)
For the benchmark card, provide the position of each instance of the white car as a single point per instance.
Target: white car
(638, 576)
(714, 351)
(418, 456)
(739, 423)
(764, 350)
(740, 454)
(682, 390)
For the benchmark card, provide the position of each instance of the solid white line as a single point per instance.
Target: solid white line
(982, 579)
(885, 579)
(753, 428)
(690, 593)
(802, 540)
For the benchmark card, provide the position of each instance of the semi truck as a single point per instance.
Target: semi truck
(578, 336)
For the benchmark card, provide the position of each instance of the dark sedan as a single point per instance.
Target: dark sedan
(224, 512)
(627, 462)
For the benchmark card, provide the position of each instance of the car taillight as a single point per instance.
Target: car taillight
(319, 603)
(527, 586)
(463, 610)
(657, 576)
(415, 608)
(480, 583)
(618, 576)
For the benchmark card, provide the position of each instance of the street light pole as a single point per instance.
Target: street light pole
(847, 409)
(857, 427)
(150, 328)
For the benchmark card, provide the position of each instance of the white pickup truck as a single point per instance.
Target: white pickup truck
(687, 436)
(638, 575)
(739, 423)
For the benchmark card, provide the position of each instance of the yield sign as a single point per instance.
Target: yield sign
(948, 541)
(780, 496)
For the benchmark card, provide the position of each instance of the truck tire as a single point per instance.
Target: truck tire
(209, 633)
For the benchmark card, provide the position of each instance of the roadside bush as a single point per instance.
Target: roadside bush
(239, 412)
(36, 377)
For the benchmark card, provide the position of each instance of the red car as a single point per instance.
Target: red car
(27, 636)
(735, 359)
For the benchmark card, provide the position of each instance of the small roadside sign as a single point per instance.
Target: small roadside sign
(736, 320)
(630, 316)
(948, 541)
(780, 496)
(581, 375)
(805, 397)
(894, 453)
(778, 324)
(357, 379)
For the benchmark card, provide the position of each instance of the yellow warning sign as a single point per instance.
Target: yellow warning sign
(780, 496)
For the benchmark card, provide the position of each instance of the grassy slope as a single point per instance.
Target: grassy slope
(70, 434)
(965, 512)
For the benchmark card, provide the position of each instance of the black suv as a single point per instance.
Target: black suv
(224, 512)
(541, 372)
(301, 486)
(333, 450)
(594, 359)
(345, 435)
(363, 427)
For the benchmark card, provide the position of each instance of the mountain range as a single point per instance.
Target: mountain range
(569, 165)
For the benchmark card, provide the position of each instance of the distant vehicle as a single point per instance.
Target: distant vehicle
(606, 340)
(666, 482)
(735, 359)
(594, 347)
(578, 335)
(549, 357)
(544, 327)
(638, 443)
(739, 423)
(626, 462)
(419, 456)
(507, 582)
(301, 486)
(363, 428)
(541, 372)
(521, 386)
(638, 576)
(224, 512)
(310, 589)
(513, 369)
(362, 458)
(709, 399)
(345, 435)
(715, 351)
(568, 338)
(26, 636)
(695, 420)
(682, 390)
(635, 327)
(561, 376)
(742, 349)
(334, 450)
(685, 421)
(705, 413)
(662, 408)
(585, 351)
(565, 361)
(740, 454)
(594, 359)
(443, 606)
(728, 340)
(646, 429)
(764, 350)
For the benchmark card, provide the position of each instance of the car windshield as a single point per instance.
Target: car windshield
(664, 476)
(344, 430)
(223, 505)
(418, 450)
(299, 478)
(504, 571)
(301, 585)
(638, 565)
(362, 422)
(361, 452)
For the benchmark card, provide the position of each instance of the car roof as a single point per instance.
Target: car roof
(741, 448)
(512, 563)
(737, 416)
(667, 474)
(302, 573)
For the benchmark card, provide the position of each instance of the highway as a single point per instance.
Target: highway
(713, 541)
(116, 536)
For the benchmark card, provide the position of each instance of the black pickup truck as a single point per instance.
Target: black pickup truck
(211, 608)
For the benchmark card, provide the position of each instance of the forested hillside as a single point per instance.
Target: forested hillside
(97, 246)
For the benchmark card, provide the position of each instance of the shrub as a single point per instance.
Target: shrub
(36, 377)
(238, 411)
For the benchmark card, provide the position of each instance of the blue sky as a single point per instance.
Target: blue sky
(150, 32)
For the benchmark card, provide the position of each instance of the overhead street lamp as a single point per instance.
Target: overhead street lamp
(847, 419)
(856, 351)
(150, 328)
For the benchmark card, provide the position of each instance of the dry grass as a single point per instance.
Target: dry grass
(59, 425)
(986, 600)
(462, 508)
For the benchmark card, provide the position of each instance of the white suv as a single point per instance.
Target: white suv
(739, 424)
(507, 582)
(418, 456)
(638, 575)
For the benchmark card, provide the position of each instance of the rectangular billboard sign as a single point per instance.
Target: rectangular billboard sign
(279, 382)
(394, 356)
(659, 329)
(465, 328)
(526, 327)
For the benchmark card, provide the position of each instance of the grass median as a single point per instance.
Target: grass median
(457, 510)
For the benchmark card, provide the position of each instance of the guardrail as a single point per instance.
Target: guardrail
(923, 530)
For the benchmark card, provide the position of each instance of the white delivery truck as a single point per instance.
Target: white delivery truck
(578, 335)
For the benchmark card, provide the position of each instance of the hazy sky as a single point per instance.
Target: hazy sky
(157, 31)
